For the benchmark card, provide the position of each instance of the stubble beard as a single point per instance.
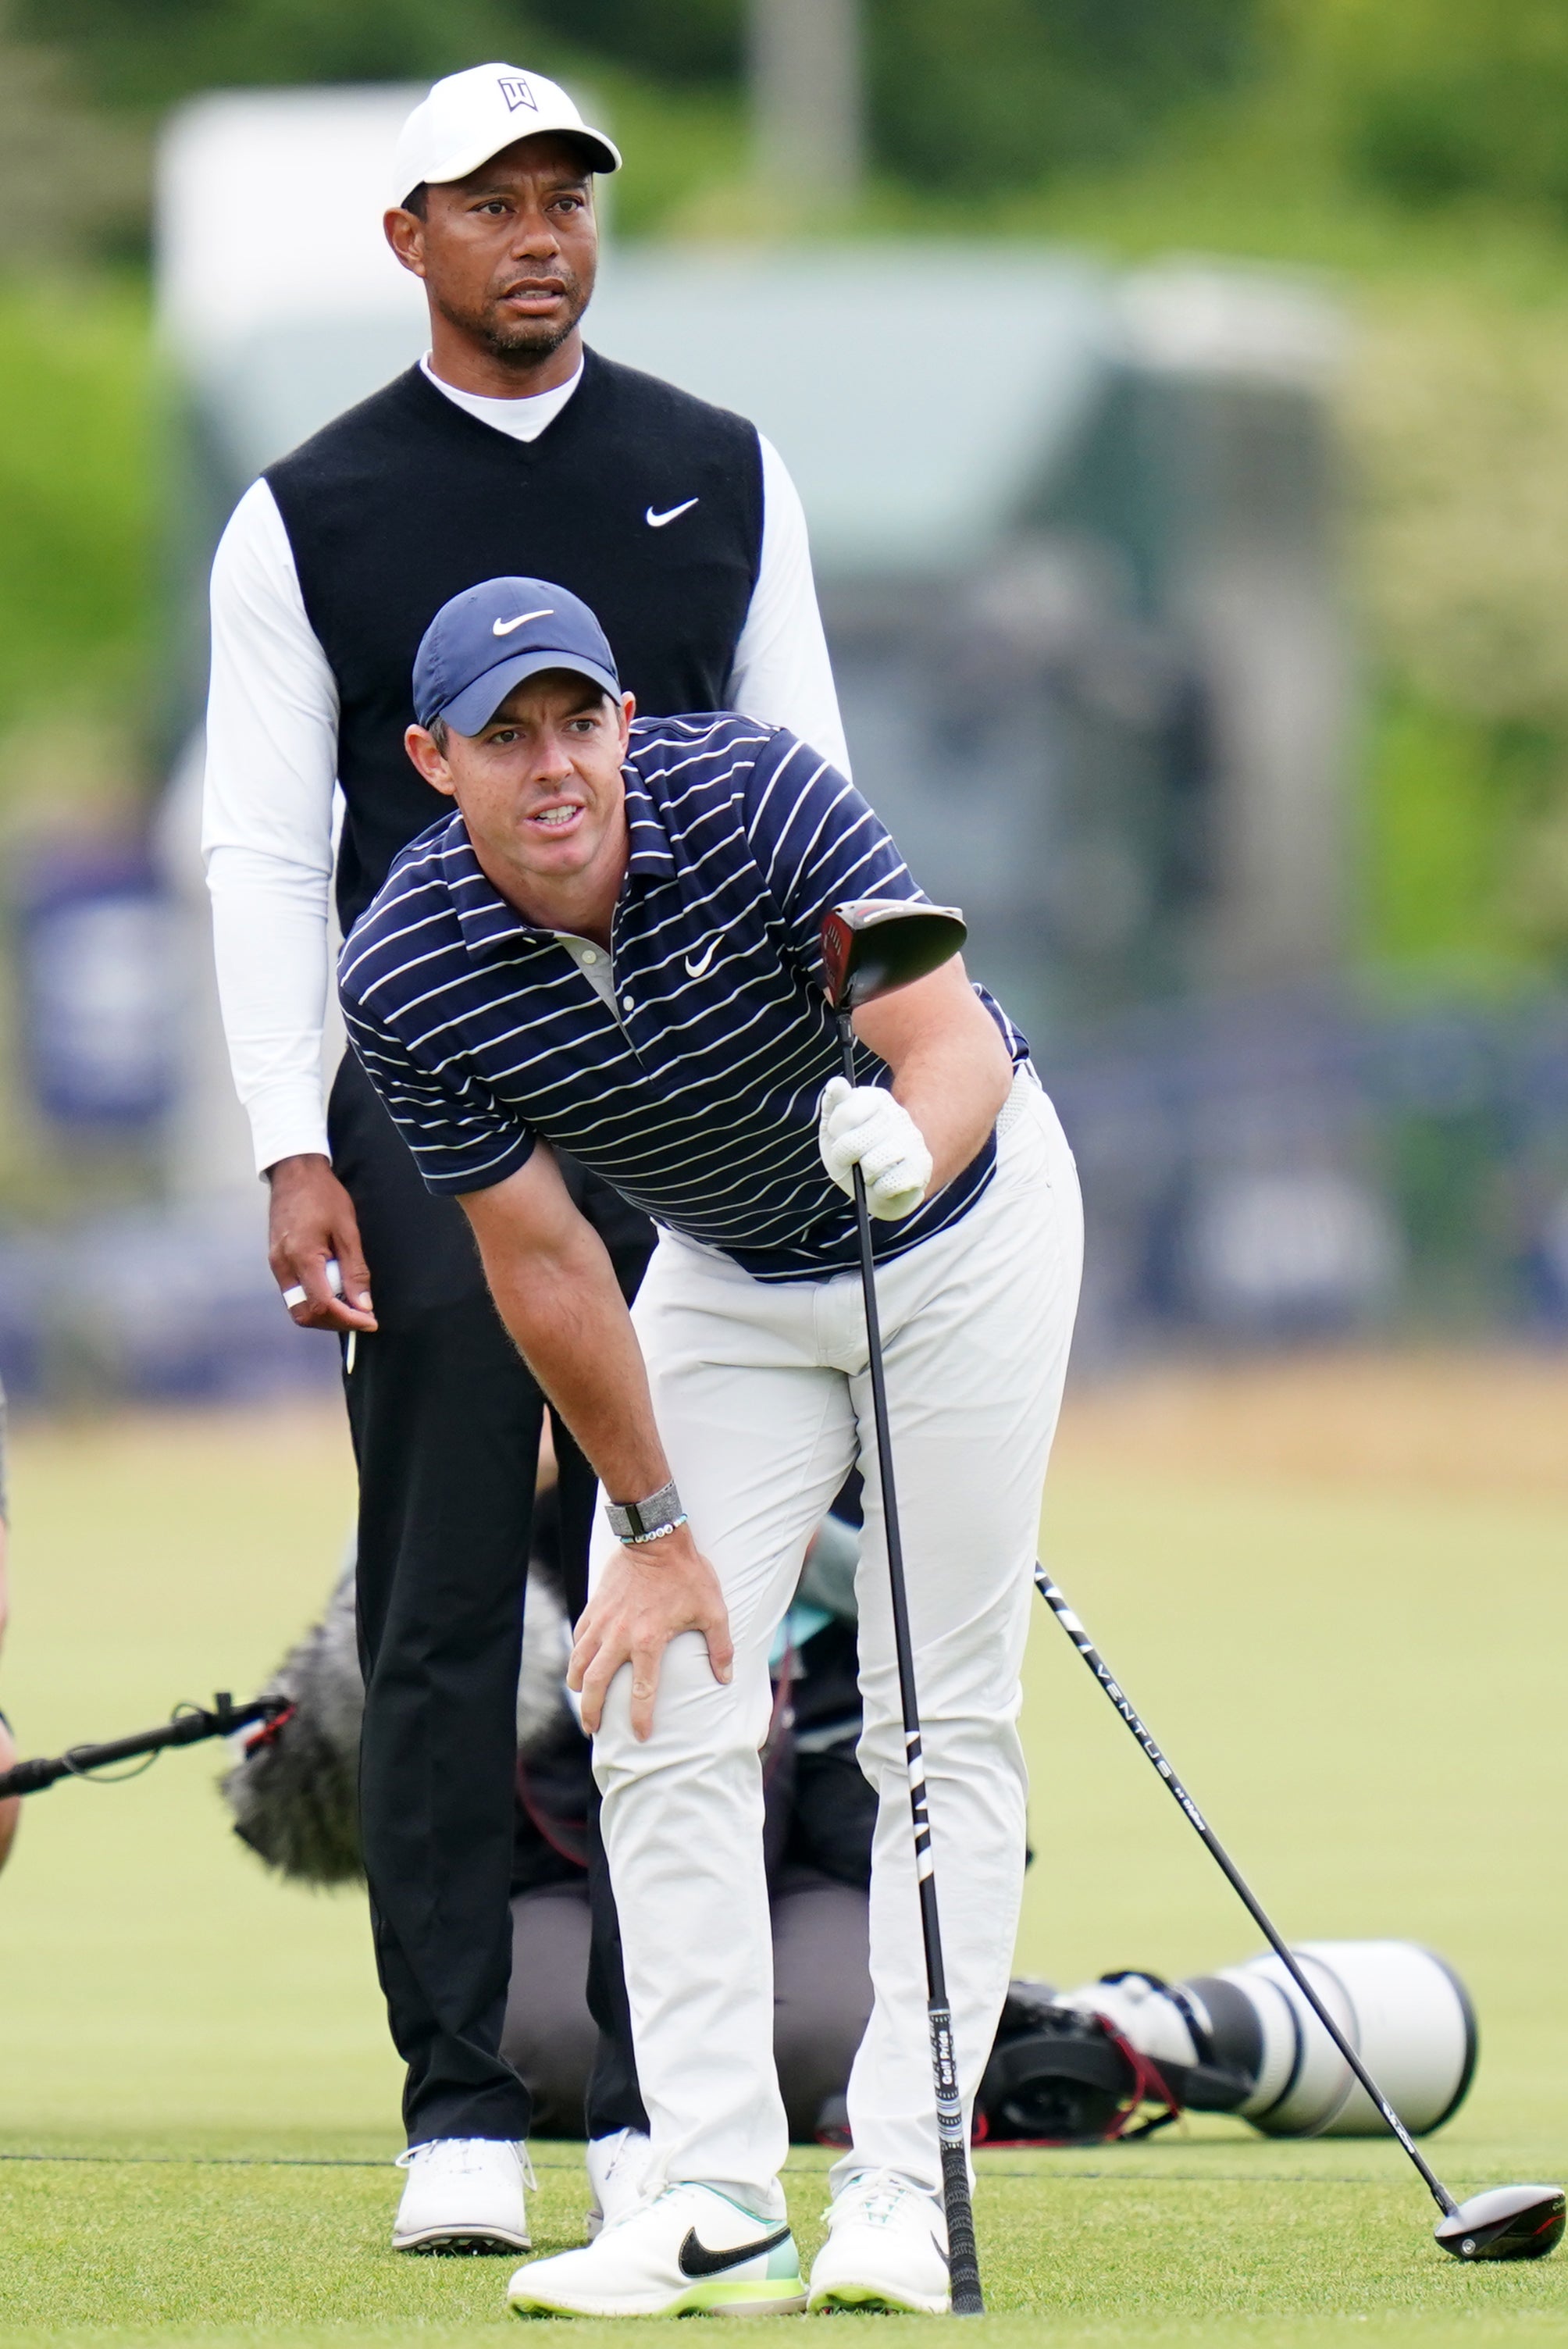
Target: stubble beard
(522, 343)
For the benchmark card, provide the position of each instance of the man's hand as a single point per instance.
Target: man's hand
(644, 1596)
(863, 1127)
(312, 1219)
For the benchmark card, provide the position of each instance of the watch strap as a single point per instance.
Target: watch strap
(638, 1521)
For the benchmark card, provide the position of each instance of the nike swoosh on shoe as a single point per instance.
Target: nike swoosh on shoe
(695, 2259)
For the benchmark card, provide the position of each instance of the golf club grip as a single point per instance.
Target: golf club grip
(1075, 1631)
(963, 2255)
(963, 2259)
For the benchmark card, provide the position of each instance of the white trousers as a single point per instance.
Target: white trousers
(763, 1401)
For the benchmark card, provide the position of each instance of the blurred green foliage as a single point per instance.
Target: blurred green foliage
(677, 40)
(988, 93)
(1448, 798)
(143, 54)
(75, 497)
(1000, 93)
(1417, 150)
(1438, 99)
(1456, 412)
(1424, 100)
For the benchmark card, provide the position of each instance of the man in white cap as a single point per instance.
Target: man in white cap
(511, 448)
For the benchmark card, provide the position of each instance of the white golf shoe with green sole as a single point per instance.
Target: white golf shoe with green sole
(884, 2249)
(691, 2252)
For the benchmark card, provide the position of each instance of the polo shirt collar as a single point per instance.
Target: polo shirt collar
(489, 923)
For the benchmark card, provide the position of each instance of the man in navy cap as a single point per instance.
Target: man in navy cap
(611, 948)
(510, 447)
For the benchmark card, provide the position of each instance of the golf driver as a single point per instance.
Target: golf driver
(1506, 2222)
(868, 949)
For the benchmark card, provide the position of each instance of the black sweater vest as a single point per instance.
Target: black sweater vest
(406, 500)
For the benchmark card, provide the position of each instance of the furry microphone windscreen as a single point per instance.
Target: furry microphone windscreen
(293, 1792)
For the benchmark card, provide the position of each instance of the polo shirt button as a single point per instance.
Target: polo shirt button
(628, 1004)
(590, 954)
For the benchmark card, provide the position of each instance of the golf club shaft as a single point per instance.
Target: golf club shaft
(1239, 1885)
(963, 2260)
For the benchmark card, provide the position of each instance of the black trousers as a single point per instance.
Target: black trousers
(446, 1422)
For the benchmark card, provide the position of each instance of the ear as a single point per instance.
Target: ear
(404, 232)
(628, 712)
(421, 748)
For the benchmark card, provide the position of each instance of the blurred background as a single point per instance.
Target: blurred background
(1179, 394)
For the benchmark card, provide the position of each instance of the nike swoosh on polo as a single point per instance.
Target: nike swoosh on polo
(697, 2259)
(697, 966)
(505, 627)
(671, 514)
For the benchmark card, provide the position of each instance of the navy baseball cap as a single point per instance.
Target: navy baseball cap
(491, 636)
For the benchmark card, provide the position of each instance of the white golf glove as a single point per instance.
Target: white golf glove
(863, 1126)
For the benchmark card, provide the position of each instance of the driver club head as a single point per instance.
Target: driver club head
(1506, 2222)
(875, 944)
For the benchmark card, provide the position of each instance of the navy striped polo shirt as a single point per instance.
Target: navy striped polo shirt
(696, 1094)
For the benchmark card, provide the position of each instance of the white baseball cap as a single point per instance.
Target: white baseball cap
(471, 116)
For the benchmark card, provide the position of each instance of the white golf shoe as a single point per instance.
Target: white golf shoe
(691, 2252)
(884, 2249)
(464, 2194)
(615, 2169)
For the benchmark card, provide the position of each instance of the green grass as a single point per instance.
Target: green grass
(1362, 1686)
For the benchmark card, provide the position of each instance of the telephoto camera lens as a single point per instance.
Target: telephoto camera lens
(1122, 2054)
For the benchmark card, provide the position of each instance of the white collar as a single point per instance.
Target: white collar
(524, 418)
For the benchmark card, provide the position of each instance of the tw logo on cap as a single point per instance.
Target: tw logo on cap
(517, 93)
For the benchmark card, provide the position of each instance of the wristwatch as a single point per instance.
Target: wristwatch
(649, 1520)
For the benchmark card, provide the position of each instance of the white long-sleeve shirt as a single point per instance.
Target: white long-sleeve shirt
(267, 829)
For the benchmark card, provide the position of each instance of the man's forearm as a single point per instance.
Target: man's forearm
(954, 1096)
(951, 1070)
(270, 939)
(568, 1320)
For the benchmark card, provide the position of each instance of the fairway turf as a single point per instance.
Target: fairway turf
(1358, 1676)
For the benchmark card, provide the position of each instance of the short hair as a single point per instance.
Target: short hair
(416, 200)
(439, 733)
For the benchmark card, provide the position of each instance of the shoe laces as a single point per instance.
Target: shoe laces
(455, 2156)
(879, 2196)
(628, 2145)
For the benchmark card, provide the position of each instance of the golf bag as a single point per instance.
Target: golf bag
(1130, 2053)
